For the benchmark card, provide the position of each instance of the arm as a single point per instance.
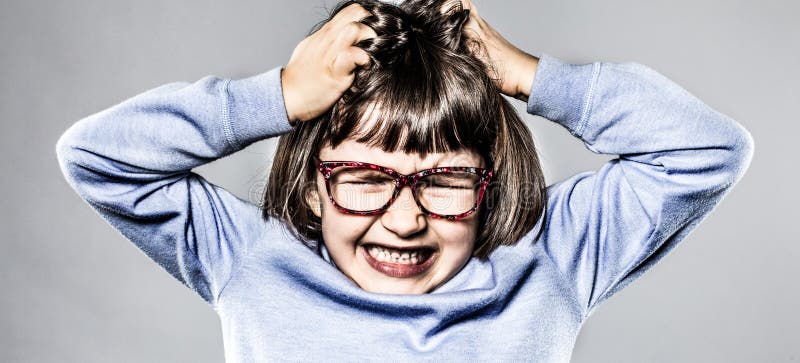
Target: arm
(132, 162)
(677, 159)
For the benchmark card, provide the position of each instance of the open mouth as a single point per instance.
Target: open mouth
(399, 262)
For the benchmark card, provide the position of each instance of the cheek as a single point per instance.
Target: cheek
(458, 237)
(339, 228)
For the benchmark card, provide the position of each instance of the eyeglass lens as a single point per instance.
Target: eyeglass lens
(363, 189)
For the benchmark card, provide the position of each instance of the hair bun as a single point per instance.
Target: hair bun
(444, 20)
(398, 27)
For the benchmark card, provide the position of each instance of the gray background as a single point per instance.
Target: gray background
(73, 289)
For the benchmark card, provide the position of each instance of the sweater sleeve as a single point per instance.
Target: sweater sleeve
(677, 158)
(132, 164)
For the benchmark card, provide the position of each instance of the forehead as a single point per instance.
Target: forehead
(406, 163)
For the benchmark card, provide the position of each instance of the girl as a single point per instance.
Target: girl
(406, 215)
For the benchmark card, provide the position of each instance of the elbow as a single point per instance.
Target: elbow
(65, 150)
(65, 157)
(72, 143)
(68, 155)
(741, 151)
(62, 150)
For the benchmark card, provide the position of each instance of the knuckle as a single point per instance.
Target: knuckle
(351, 29)
(362, 13)
(357, 9)
(355, 12)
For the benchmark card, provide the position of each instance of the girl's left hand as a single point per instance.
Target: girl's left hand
(513, 69)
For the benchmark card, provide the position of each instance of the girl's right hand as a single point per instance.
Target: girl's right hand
(322, 65)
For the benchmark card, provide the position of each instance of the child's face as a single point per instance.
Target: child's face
(403, 224)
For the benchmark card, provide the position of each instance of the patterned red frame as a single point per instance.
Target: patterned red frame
(402, 180)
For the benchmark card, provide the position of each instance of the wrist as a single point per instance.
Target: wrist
(527, 74)
(254, 108)
(288, 98)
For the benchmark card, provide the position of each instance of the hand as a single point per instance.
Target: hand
(513, 69)
(322, 65)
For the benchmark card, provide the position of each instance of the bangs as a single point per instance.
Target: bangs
(419, 105)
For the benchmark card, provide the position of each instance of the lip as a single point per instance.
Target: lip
(398, 270)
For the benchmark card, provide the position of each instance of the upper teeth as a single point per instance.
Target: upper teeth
(393, 256)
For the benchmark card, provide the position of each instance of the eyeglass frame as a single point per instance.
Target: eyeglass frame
(402, 180)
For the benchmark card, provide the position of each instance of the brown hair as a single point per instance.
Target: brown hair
(434, 96)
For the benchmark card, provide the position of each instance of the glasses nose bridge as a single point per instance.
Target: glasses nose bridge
(402, 182)
(405, 180)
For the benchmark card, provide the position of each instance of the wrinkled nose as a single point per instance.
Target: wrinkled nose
(404, 217)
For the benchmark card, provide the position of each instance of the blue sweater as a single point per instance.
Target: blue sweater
(280, 300)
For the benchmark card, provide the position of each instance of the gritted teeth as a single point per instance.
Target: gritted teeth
(405, 256)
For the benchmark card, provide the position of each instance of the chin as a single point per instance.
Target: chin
(394, 288)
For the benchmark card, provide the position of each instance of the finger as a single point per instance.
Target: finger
(354, 32)
(450, 5)
(469, 5)
(351, 13)
(347, 61)
(359, 56)
(350, 34)
(365, 32)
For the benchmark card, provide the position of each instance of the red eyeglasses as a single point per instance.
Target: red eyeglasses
(452, 192)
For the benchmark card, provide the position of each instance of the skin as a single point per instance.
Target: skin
(320, 69)
(402, 225)
(322, 65)
(513, 68)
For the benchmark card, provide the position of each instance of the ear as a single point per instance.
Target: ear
(314, 203)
